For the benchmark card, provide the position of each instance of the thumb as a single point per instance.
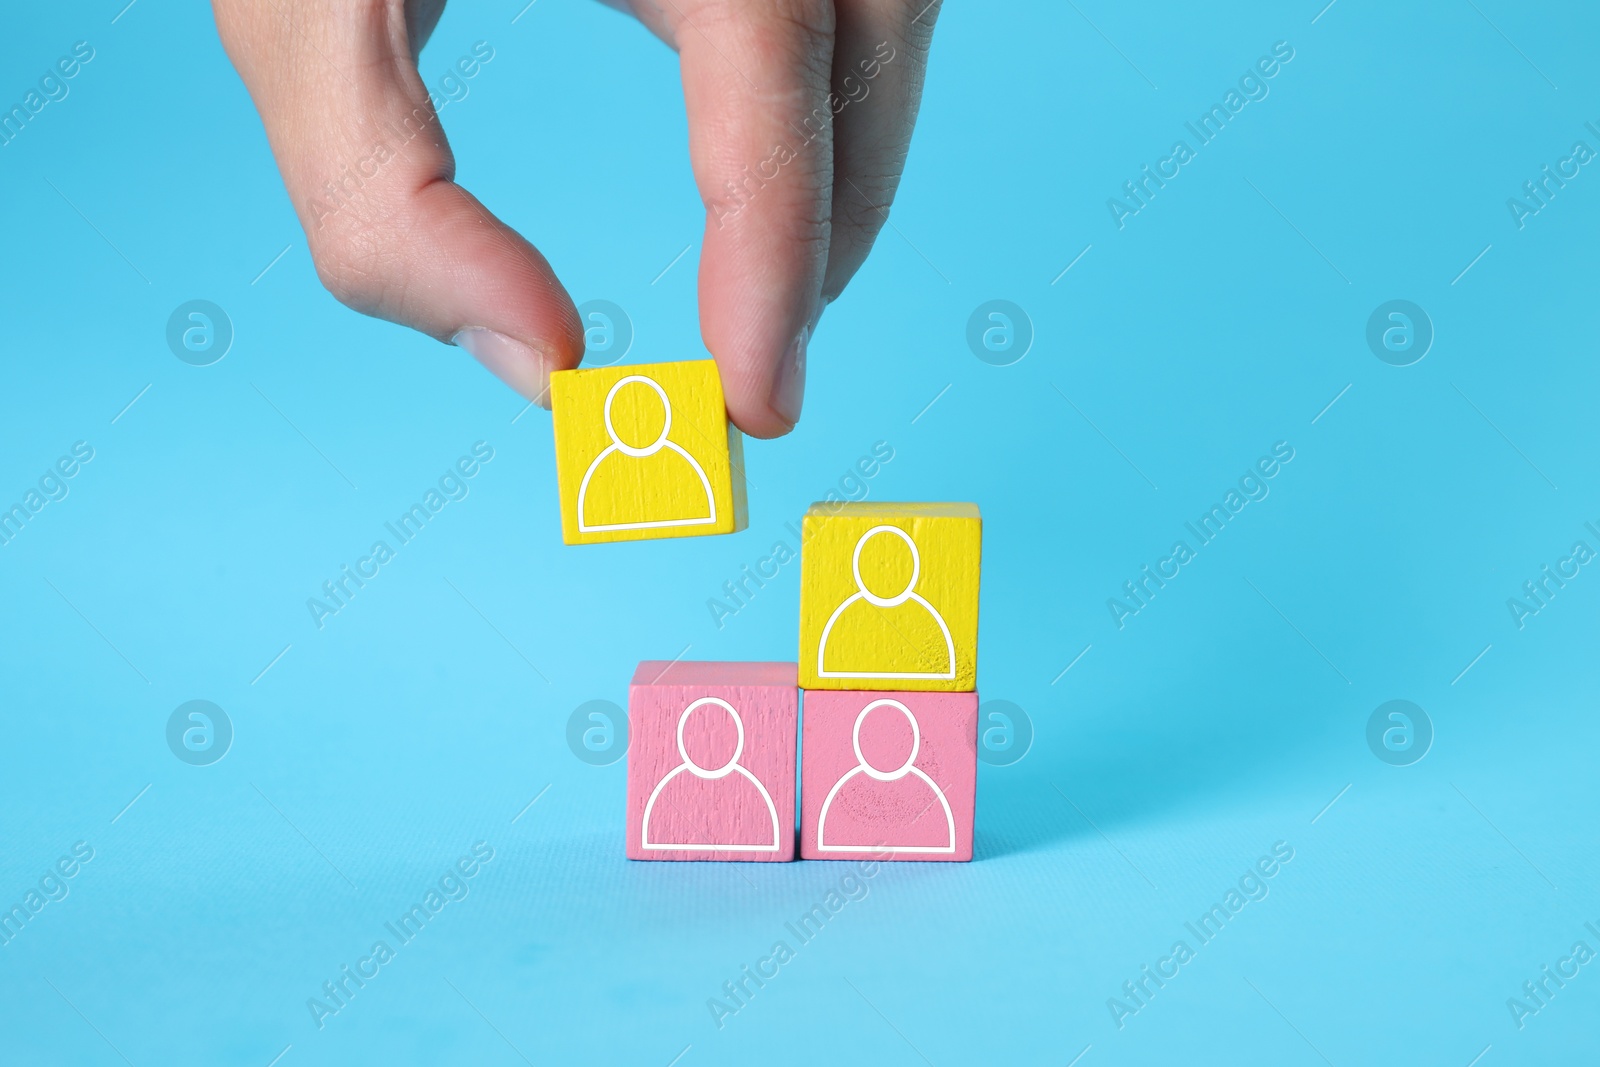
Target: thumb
(371, 177)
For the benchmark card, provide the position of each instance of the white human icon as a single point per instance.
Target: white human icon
(698, 771)
(908, 593)
(863, 767)
(618, 445)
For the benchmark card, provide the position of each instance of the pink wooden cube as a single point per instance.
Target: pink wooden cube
(711, 761)
(893, 775)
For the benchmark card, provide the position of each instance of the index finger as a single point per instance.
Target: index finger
(755, 79)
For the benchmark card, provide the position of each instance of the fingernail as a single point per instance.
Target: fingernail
(524, 368)
(789, 387)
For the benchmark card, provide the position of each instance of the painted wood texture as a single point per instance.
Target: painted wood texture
(646, 451)
(891, 776)
(889, 597)
(711, 761)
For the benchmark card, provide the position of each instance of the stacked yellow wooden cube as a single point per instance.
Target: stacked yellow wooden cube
(889, 597)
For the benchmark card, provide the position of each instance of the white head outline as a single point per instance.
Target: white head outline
(666, 422)
(738, 748)
(911, 584)
(916, 742)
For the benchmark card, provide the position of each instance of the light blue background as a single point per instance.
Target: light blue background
(1174, 752)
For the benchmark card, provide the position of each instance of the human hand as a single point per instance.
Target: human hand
(795, 167)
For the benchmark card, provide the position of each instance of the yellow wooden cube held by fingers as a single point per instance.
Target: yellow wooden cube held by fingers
(889, 596)
(646, 451)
